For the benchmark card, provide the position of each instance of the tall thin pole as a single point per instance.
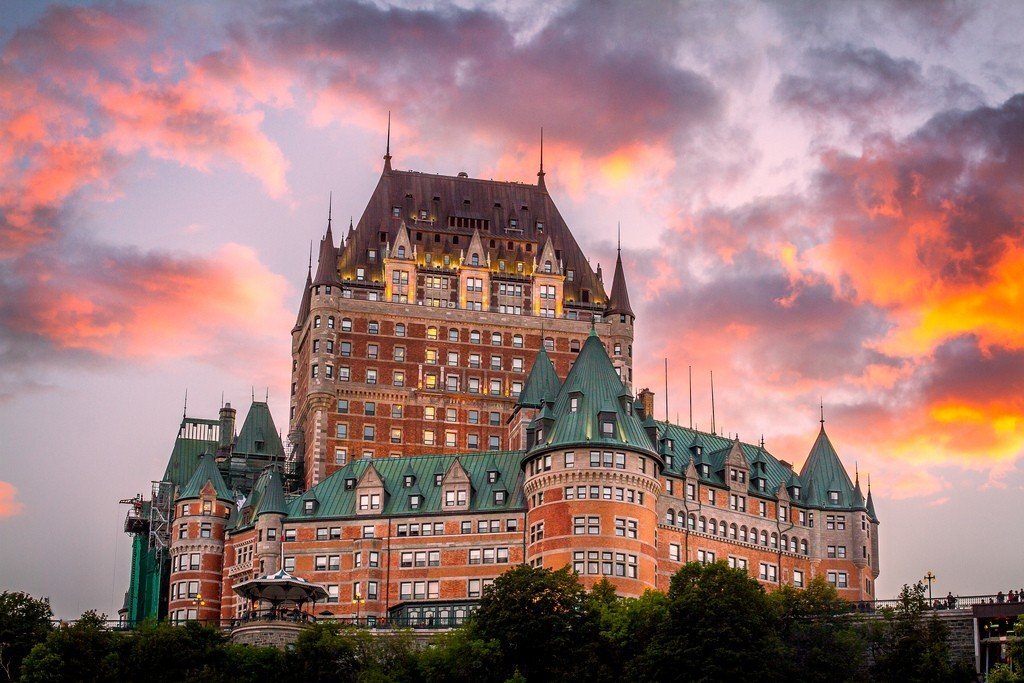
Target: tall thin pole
(713, 402)
(689, 371)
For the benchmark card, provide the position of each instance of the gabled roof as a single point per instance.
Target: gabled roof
(258, 435)
(596, 385)
(824, 472)
(618, 302)
(542, 384)
(335, 500)
(457, 206)
(206, 472)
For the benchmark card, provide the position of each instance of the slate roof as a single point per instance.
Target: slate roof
(326, 270)
(305, 303)
(336, 501)
(206, 472)
(455, 206)
(258, 435)
(542, 384)
(596, 385)
(619, 300)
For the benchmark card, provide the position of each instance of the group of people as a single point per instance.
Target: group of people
(1010, 597)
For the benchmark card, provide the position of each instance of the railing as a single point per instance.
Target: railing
(291, 617)
(937, 603)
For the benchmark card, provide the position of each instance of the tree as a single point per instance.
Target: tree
(538, 617)
(628, 626)
(821, 642)
(24, 621)
(459, 657)
(720, 627)
(158, 651)
(83, 651)
(908, 647)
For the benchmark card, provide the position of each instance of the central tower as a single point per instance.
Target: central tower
(417, 330)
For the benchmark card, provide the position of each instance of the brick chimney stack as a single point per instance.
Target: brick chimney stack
(647, 400)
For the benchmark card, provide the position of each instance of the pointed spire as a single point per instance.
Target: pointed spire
(540, 173)
(330, 205)
(387, 148)
(184, 408)
(870, 505)
(305, 303)
(327, 264)
(542, 384)
(618, 302)
(821, 406)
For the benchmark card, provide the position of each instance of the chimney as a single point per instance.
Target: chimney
(227, 430)
(647, 400)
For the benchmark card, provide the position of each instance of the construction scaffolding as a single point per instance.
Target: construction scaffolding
(161, 509)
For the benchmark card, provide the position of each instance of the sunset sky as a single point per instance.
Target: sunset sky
(818, 200)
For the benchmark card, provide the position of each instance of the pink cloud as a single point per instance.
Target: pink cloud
(9, 505)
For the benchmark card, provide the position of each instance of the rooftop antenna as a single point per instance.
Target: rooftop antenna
(713, 402)
(184, 408)
(689, 370)
(267, 399)
(253, 389)
(387, 148)
(821, 406)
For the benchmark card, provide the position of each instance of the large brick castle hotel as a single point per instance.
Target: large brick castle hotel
(461, 401)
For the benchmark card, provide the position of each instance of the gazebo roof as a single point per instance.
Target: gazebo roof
(281, 587)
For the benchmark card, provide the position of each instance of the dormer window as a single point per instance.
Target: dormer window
(415, 501)
(833, 497)
(423, 214)
(492, 476)
(796, 492)
(607, 428)
(396, 211)
(540, 226)
(475, 260)
(437, 479)
(309, 507)
(697, 449)
(704, 470)
(400, 252)
(350, 483)
(513, 223)
(499, 497)
(408, 480)
(547, 266)
(574, 404)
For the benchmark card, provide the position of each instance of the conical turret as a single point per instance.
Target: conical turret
(618, 302)
(304, 305)
(327, 264)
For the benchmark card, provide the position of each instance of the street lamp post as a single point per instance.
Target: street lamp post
(358, 601)
(199, 603)
(929, 577)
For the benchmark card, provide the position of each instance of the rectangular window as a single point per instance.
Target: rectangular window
(674, 552)
(798, 578)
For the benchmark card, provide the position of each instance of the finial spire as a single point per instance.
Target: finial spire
(618, 238)
(267, 399)
(387, 147)
(184, 408)
(821, 405)
(330, 203)
(310, 268)
(540, 173)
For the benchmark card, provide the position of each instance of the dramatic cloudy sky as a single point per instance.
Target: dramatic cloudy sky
(818, 200)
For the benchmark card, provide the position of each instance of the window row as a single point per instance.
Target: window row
(184, 590)
(604, 563)
(488, 556)
(187, 561)
(419, 590)
(618, 493)
(738, 533)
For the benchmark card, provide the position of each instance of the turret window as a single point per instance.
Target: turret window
(346, 324)
(205, 530)
(607, 428)
(833, 497)
(316, 321)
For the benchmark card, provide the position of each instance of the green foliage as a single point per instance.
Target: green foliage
(821, 642)
(459, 657)
(909, 647)
(83, 651)
(721, 627)
(24, 621)
(537, 616)
(1001, 673)
(331, 652)
(157, 651)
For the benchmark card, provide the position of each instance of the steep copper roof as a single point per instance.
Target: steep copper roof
(455, 206)
(304, 305)
(326, 270)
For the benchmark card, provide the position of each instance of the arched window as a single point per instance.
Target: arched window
(692, 522)
(785, 541)
(401, 251)
(453, 334)
(753, 535)
(712, 526)
(702, 525)
(803, 546)
(732, 531)
(792, 545)
(764, 538)
(775, 540)
(574, 345)
(316, 321)
(670, 516)
(517, 341)
(475, 259)
(743, 534)
(723, 529)
(547, 266)
(496, 338)
(330, 322)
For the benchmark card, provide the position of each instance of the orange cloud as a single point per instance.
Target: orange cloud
(9, 505)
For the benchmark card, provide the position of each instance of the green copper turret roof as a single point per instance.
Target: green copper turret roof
(206, 472)
(542, 384)
(272, 496)
(598, 390)
(195, 437)
(258, 435)
(871, 505)
(618, 302)
(824, 472)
